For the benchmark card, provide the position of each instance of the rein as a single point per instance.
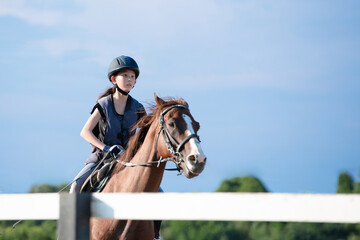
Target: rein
(172, 145)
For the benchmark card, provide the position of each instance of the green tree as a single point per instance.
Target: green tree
(209, 230)
(216, 230)
(181, 230)
(345, 183)
(29, 229)
(47, 188)
(241, 184)
(356, 187)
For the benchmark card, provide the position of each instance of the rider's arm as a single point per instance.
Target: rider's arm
(89, 126)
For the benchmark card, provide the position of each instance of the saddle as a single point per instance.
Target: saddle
(99, 177)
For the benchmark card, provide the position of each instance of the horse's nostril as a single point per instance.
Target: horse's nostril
(196, 159)
(192, 158)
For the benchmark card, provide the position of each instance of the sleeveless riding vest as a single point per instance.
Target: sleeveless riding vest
(113, 128)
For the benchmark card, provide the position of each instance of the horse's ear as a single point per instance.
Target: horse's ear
(158, 100)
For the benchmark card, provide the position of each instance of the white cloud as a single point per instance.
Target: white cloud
(102, 27)
(262, 36)
(19, 9)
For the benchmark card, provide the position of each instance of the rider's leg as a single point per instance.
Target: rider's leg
(81, 177)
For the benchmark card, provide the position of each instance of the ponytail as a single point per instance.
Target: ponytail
(109, 91)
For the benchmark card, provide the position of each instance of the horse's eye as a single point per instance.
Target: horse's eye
(172, 124)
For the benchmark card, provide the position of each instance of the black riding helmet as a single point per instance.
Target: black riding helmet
(122, 63)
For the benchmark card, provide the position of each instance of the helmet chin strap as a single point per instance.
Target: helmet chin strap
(121, 91)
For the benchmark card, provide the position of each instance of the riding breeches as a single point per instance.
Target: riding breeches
(81, 177)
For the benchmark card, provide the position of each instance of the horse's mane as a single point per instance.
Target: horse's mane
(143, 125)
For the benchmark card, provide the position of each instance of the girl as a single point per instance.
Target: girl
(108, 129)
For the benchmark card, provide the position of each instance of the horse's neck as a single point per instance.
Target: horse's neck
(140, 178)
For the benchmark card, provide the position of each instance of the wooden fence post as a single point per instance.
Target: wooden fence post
(74, 220)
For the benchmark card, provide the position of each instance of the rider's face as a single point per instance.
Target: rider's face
(125, 80)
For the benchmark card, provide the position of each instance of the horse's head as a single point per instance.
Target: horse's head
(179, 136)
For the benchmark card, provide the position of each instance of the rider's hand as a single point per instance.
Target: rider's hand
(113, 151)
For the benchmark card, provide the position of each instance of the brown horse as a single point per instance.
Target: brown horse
(169, 132)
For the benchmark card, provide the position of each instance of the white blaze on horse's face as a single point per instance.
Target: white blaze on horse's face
(196, 155)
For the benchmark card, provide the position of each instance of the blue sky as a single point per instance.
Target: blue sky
(275, 85)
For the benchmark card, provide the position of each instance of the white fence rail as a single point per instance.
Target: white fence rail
(333, 208)
(230, 207)
(341, 208)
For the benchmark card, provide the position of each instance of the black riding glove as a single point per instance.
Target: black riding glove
(113, 151)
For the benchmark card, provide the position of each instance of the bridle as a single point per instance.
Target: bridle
(172, 144)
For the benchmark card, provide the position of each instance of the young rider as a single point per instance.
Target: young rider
(108, 129)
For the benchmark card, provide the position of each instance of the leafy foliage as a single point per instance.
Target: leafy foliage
(39, 230)
(356, 187)
(205, 230)
(29, 229)
(47, 188)
(210, 230)
(242, 184)
(345, 183)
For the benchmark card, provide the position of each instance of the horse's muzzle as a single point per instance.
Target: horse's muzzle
(194, 164)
